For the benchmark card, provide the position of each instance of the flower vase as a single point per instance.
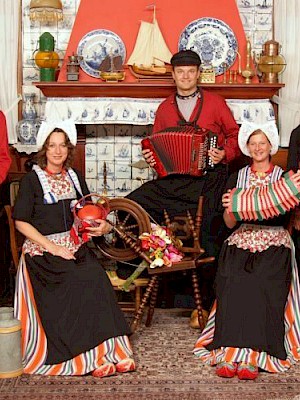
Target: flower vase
(27, 128)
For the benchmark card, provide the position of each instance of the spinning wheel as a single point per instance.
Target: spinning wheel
(129, 218)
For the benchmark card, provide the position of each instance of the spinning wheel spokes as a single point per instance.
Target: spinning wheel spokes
(129, 217)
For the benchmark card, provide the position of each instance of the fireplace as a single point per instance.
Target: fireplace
(112, 119)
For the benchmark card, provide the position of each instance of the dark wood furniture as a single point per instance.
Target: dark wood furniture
(190, 229)
(153, 89)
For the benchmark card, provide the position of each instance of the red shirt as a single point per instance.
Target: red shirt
(215, 116)
(5, 159)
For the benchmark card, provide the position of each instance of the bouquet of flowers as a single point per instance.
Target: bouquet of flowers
(161, 247)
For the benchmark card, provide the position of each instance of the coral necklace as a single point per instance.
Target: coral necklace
(56, 175)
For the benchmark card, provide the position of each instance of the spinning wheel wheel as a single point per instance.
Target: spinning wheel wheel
(127, 217)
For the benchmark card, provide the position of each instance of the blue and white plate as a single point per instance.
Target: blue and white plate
(95, 46)
(213, 40)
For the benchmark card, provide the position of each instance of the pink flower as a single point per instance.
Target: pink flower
(161, 247)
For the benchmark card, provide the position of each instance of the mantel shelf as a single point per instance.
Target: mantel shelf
(153, 89)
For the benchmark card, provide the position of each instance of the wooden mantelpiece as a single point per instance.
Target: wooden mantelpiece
(153, 89)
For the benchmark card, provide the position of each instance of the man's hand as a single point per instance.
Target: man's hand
(148, 156)
(217, 155)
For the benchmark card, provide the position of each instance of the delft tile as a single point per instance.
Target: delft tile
(69, 6)
(122, 187)
(31, 41)
(63, 40)
(105, 151)
(136, 140)
(264, 6)
(109, 188)
(261, 37)
(123, 151)
(67, 23)
(122, 170)
(30, 26)
(247, 20)
(110, 169)
(138, 173)
(263, 22)
(136, 150)
(29, 59)
(30, 75)
(91, 168)
(245, 4)
(92, 185)
(91, 151)
(32, 89)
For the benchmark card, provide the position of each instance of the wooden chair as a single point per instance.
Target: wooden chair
(191, 261)
(135, 291)
(16, 241)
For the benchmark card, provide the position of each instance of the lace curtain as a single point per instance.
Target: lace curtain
(9, 30)
(287, 33)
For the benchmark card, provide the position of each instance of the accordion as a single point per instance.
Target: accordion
(181, 150)
(264, 202)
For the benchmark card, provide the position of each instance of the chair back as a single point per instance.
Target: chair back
(188, 229)
(16, 238)
(13, 191)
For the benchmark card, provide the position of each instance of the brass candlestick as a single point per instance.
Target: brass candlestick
(248, 72)
(104, 191)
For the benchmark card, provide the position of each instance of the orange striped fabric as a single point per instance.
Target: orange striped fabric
(34, 340)
(262, 359)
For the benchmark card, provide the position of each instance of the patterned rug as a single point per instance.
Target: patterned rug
(166, 369)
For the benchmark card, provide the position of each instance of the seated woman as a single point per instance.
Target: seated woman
(254, 323)
(293, 162)
(71, 323)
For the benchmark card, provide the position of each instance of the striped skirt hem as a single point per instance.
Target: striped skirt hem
(34, 340)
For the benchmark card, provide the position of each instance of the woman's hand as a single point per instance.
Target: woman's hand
(61, 251)
(226, 202)
(216, 155)
(148, 156)
(103, 228)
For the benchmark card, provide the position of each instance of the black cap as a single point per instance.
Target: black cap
(185, 57)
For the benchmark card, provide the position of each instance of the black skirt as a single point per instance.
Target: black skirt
(251, 293)
(76, 303)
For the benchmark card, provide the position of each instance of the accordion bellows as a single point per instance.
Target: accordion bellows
(264, 202)
(181, 150)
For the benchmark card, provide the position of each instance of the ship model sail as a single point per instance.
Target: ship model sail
(111, 69)
(151, 55)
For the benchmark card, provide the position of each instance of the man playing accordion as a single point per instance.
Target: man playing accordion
(177, 192)
(255, 323)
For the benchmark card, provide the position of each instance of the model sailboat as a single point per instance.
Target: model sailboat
(151, 56)
(111, 69)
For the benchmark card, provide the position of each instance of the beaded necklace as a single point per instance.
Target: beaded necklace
(56, 175)
(190, 96)
(260, 178)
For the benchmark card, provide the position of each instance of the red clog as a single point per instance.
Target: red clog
(247, 371)
(106, 369)
(126, 365)
(226, 369)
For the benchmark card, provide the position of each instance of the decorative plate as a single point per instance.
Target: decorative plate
(213, 40)
(95, 46)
